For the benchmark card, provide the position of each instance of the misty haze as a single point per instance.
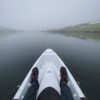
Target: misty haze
(71, 28)
(45, 14)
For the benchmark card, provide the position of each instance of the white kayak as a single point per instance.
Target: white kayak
(49, 64)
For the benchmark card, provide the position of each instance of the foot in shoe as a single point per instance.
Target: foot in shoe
(35, 73)
(63, 73)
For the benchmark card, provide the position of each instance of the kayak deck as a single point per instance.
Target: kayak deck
(47, 63)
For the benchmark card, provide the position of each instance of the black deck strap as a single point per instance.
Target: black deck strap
(49, 93)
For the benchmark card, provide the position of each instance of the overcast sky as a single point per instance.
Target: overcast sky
(44, 14)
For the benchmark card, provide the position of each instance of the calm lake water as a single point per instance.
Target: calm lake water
(19, 51)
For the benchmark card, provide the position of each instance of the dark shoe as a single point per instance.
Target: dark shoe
(35, 73)
(64, 75)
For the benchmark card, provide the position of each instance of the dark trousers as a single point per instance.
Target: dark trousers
(65, 91)
(32, 91)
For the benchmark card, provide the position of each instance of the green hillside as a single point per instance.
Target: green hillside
(81, 28)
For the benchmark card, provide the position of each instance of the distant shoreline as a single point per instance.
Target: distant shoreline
(87, 27)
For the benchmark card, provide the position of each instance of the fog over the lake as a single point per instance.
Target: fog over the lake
(46, 14)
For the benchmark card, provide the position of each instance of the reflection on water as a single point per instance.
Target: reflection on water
(18, 52)
(2, 34)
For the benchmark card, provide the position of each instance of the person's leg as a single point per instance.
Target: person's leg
(32, 91)
(65, 90)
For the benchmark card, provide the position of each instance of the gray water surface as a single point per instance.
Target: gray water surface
(19, 51)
